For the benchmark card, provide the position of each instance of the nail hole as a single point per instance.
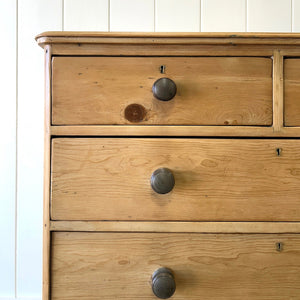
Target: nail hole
(279, 246)
(162, 69)
(278, 151)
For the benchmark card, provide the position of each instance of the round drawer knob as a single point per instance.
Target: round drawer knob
(162, 181)
(164, 89)
(163, 283)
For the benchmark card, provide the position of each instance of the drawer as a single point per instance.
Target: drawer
(292, 92)
(215, 179)
(118, 90)
(203, 266)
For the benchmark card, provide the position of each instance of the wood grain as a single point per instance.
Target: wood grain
(234, 198)
(197, 227)
(277, 91)
(206, 266)
(291, 92)
(47, 163)
(210, 90)
(215, 179)
(238, 38)
(182, 44)
(192, 131)
(255, 36)
(231, 49)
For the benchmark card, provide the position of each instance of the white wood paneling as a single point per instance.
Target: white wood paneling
(34, 16)
(7, 147)
(27, 298)
(223, 16)
(89, 15)
(132, 15)
(180, 15)
(269, 16)
(296, 15)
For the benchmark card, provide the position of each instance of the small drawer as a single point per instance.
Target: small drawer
(126, 90)
(292, 92)
(177, 179)
(111, 266)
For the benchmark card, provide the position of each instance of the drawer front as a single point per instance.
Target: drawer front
(215, 179)
(292, 92)
(204, 266)
(118, 90)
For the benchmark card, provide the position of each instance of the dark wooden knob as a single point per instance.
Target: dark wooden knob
(163, 283)
(164, 89)
(162, 181)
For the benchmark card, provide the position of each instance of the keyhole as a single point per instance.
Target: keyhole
(279, 246)
(162, 69)
(278, 151)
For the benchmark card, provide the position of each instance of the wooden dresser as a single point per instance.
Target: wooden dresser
(172, 166)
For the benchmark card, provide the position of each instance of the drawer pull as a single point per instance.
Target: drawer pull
(162, 181)
(163, 283)
(164, 89)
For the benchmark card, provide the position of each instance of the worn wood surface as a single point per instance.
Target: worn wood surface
(154, 226)
(210, 90)
(47, 176)
(168, 38)
(110, 231)
(277, 91)
(291, 92)
(215, 179)
(255, 36)
(206, 266)
(180, 44)
(193, 131)
(132, 49)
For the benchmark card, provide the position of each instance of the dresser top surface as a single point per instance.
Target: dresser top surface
(69, 37)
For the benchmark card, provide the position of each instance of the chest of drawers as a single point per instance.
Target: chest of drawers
(172, 166)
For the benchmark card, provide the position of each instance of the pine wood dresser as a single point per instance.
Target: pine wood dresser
(172, 166)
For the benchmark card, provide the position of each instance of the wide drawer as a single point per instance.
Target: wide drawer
(118, 90)
(215, 179)
(292, 92)
(204, 266)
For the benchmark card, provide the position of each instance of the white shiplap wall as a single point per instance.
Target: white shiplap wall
(21, 113)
